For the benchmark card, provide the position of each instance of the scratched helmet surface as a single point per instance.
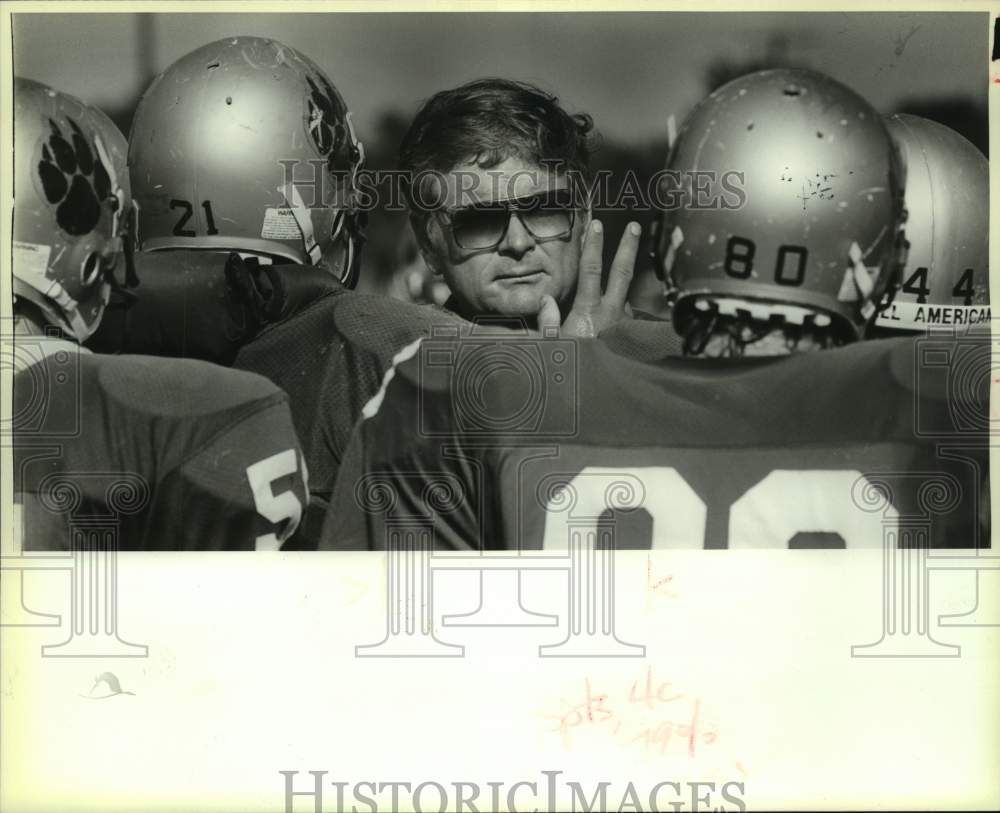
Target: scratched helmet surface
(945, 276)
(813, 234)
(246, 145)
(71, 203)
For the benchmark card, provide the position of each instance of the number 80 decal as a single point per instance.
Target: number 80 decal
(790, 267)
(768, 515)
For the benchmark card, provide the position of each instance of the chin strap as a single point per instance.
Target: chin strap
(47, 293)
(120, 234)
(863, 280)
(259, 288)
(301, 214)
(676, 239)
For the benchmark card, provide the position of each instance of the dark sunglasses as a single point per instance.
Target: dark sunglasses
(546, 216)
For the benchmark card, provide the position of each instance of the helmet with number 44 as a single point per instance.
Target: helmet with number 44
(812, 238)
(945, 270)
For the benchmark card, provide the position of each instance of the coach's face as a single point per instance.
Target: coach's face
(496, 261)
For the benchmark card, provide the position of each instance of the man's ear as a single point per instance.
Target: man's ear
(422, 231)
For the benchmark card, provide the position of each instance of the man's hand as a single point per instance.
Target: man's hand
(592, 312)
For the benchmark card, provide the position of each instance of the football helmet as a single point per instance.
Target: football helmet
(806, 228)
(245, 145)
(71, 206)
(947, 202)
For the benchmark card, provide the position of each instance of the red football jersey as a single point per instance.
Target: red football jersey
(488, 443)
(168, 454)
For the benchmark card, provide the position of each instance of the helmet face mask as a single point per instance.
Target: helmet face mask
(943, 275)
(245, 145)
(71, 192)
(815, 230)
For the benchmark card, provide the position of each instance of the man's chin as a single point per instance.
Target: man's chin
(522, 299)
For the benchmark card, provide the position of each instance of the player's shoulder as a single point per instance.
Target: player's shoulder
(384, 325)
(883, 361)
(645, 337)
(367, 323)
(176, 388)
(932, 366)
(137, 413)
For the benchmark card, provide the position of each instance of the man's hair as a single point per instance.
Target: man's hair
(488, 121)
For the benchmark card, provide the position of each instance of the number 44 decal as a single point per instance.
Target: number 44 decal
(916, 285)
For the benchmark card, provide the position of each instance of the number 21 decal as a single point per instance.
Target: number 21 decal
(186, 211)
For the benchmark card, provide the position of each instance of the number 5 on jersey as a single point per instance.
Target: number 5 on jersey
(282, 508)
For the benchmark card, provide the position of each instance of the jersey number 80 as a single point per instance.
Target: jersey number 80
(770, 514)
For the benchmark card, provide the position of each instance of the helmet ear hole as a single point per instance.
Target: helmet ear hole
(90, 269)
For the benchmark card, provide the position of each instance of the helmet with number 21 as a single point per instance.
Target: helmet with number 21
(246, 145)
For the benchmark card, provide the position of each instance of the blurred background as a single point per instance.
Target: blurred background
(630, 71)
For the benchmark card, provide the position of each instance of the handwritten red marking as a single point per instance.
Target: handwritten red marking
(578, 712)
(694, 726)
(658, 583)
(649, 696)
(641, 718)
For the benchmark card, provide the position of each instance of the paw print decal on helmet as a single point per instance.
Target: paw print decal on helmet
(74, 179)
(326, 121)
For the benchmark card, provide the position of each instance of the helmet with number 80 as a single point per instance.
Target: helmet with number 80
(945, 275)
(245, 145)
(71, 206)
(807, 235)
